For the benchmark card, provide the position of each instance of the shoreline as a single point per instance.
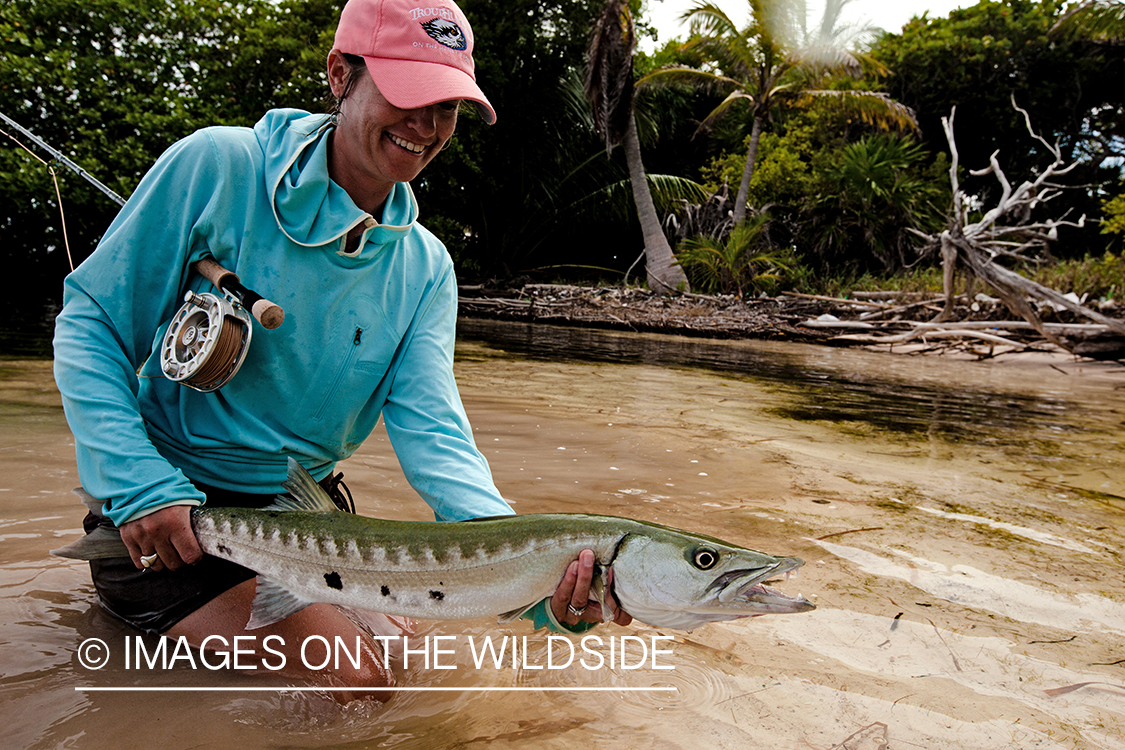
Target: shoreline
(983, 328)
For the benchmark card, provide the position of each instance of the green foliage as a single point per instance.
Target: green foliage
(1099, 277)
(1102, 20)
(978, 59)
(112, 83)
(745, 262)
(784, 170)
(509, 183)
(869, 200)
(1114, 221)
(1096, 276)
(851, 205)
(774, 61)
(843, 284)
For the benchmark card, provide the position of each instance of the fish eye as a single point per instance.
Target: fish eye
(705, 559)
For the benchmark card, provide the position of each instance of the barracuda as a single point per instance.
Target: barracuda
(304, 550)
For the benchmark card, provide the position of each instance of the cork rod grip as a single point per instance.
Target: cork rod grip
(270, 315)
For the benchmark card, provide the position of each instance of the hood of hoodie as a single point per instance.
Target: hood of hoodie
(309, 207)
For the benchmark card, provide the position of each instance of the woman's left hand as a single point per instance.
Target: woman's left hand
(573, 594)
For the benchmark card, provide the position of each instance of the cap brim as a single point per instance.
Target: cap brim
(398, 82)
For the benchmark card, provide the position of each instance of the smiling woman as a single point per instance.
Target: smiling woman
(376, 143)
(389, 127)
(318, 211)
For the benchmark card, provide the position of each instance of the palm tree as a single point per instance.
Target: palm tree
(774, 60)
(609, 88)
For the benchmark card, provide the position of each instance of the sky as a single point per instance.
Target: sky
(887, 14)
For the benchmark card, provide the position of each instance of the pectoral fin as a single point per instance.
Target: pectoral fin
(599, 591)
(273, 603)
(515, 614)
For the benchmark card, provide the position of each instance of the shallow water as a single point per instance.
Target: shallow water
(961, 523)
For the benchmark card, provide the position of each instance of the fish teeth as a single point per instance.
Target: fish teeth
(414, 148)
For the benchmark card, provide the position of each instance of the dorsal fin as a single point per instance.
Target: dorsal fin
(304, 492)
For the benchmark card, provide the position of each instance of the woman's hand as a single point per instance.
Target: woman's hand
(573, 594)
(167, 534)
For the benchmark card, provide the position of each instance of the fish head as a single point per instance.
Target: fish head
(677, 580)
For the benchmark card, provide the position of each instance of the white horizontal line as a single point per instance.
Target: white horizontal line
(170, 689)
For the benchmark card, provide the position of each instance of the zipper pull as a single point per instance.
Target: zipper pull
(358, 336)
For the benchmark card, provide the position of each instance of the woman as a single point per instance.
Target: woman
(315, 213)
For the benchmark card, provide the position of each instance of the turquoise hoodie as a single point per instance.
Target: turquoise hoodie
(365, 334)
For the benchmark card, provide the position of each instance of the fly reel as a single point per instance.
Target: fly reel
(206, 342)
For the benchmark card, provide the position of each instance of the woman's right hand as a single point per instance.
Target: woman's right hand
(167, 533)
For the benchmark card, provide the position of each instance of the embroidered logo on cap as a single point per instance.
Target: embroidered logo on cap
(446, 33)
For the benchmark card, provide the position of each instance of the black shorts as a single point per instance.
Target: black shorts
(155, 601)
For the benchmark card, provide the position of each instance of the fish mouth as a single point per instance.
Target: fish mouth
(770, 601)
(745, 589)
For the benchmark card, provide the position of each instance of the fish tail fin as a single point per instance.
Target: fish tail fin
(103, 542)
(304, 492)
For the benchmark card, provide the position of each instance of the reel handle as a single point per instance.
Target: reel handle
(269, 314)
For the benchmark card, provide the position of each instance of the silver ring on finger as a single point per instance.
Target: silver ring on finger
(147, 561)
(576, 611)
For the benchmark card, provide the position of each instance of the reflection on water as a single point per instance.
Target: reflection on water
(961, 524)
(969, 403)
(26, 331)
(890, 398)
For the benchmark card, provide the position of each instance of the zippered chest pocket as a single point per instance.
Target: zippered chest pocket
(356, 358)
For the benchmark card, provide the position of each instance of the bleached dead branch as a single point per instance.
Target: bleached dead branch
(1013, 229)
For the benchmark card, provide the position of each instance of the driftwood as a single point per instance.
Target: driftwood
(983, 328)
(976, 324)
(1011, 230)
(632, 309)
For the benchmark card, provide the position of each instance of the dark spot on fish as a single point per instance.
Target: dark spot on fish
(385, 591)
(333, 580)
(224, 549)
(437, 595)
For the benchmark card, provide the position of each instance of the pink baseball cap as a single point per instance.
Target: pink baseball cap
(417, 52)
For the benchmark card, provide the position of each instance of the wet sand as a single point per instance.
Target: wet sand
(969, 591)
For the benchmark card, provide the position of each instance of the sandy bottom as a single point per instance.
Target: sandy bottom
(970, 593)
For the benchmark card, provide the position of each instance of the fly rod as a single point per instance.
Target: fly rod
(269, 314)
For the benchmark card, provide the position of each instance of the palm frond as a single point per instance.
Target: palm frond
(677, 74)
(832, 30)
(708, 19)
(723, 106)
(1099, 20)
(872, 107)
(615, 199)
(609, 72)
(823, 58)
(743, 261)
(576, 106)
